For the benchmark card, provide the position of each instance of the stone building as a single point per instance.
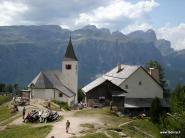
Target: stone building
(60, 85)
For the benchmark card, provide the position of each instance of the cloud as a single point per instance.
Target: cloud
(60, 12)
(114, 14)
(10, 12)
(176, 34)
(137, 26)
(117, 14)
(26, 12)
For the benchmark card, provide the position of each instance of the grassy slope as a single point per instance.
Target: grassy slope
(114, 134)
(113, 121)
(4, 99)
(9, 120)
(87, 125)
(144, 125)
(105, 115)
(95, 111)
(25, 131)
(94, 135)
(5, 113)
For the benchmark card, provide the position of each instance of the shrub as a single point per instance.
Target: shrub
(155, 110)
(63, 105)
(81, 95)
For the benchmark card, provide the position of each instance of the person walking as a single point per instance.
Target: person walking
(49, 105)
(67, 126)
(23, 113)
(111, 105)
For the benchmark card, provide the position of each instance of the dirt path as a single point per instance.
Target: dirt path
(144, 132)
(109, 136)
(125, 123)
(58, 130)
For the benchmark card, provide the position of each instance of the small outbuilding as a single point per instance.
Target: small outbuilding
(104, 92)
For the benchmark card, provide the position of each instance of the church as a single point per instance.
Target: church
(61, 84)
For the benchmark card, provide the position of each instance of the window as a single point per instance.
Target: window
(140, 83)
(126, 86)
(60, 94)
(68, 66)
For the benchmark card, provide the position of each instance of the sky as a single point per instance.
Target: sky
(166, 17)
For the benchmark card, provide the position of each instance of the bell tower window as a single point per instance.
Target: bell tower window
(68, 66)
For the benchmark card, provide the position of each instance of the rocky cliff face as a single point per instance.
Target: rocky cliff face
(164, 46)
(27, 50)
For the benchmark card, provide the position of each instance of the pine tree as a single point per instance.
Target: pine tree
(155, 110)
(177, 100)
(162, 79)
(2, 87)
(9, 88)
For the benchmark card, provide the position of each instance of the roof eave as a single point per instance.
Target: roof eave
(69, 59)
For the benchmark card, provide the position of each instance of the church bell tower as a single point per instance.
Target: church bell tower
(70, 69)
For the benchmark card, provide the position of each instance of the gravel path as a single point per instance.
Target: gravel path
(58, 130)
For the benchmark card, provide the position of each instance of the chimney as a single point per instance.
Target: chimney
(119, 68)
(154, 72)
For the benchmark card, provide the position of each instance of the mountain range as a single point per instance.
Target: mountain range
(27, 50)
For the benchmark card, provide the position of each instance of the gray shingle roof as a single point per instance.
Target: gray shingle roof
(119, 77)
(43, 82)
(113, 76)
(50, 79)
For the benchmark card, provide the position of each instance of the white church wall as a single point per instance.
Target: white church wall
(63, 97)
(51, 94)
(140, 85)
(70, 76)
(71, 101)
(43, 93)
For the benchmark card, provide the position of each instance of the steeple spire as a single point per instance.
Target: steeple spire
(69, 35)
(70, 54)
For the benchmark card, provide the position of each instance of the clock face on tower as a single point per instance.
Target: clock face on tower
(68, 66)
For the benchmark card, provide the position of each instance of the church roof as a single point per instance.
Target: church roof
(42, 81)
(50, 80)
(70, 54)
